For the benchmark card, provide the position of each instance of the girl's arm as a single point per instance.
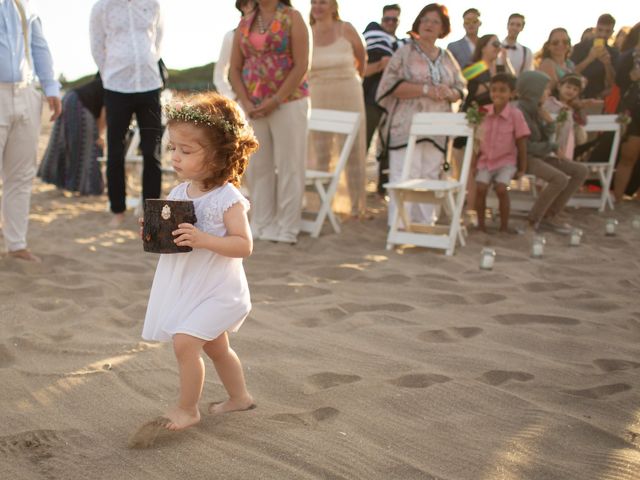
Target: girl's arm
(102, 126)
(359, 50)
(237, 243)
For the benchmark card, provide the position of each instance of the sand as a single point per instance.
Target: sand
(365, 363)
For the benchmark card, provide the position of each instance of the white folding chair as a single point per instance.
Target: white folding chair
(602, 170)
(449, 192)
(326, 183)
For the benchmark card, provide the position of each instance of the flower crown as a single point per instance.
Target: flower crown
(184, 112)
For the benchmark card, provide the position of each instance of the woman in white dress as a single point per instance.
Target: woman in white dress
(199, 296)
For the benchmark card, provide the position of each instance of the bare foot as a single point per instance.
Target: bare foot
(24, 254)
(116, 220)
(232, 405)
(179, 419)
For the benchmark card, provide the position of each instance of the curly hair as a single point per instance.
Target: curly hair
(228, 148)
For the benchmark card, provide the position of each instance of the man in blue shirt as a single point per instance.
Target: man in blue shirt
(24, 54)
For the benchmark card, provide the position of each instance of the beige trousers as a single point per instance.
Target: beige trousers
(275, 176)
(20, 110)
(563, 177)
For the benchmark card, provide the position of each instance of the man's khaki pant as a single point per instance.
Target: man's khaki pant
(20, 110)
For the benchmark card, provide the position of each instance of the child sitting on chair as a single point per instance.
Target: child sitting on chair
(502, 153)
(565, 104)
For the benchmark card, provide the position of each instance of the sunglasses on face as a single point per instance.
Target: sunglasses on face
(471, 22)
(496, 44)
(390, 19)
(560, 42)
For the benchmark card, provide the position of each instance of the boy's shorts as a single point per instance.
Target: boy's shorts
(501, 175)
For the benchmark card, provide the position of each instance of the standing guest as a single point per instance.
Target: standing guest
(221, 68)
(71, 159)
(628, 79)
(587, 34)
(269, 63)
(24, 55)
(125, 44)
(420, 77)
(488, 59)
(335, 80)
(381, 42)
(563, 176)
(554, 57)
(463, 49)
(502, 153)
(618, 39)
(520, 56)
(595, 59)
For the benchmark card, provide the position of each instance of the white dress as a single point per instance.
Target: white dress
(199, 293)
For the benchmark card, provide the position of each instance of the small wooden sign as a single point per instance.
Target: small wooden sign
(161, 217)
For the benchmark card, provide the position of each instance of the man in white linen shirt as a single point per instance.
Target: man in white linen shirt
(520, 56)
(125, 44)
(20, 110)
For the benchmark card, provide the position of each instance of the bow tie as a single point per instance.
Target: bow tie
(509, 47)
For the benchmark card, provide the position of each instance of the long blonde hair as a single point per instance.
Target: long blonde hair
(335, 15)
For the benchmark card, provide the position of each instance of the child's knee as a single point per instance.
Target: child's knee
(501, 189)
(186, 345)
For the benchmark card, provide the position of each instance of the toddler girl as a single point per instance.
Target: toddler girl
(199, 296)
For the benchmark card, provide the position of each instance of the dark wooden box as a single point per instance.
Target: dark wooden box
(161, 217)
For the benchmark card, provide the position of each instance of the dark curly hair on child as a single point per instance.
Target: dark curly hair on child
(228, 137)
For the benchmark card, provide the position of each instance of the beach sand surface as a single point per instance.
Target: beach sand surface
(365, 363)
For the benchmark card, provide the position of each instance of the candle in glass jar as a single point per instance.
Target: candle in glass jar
(610, 227)
(537, 248)
(576, 237)
(487, 258)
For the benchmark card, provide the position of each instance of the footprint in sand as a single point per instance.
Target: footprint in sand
(315, 417)
(443, 336)
(498, 377)
(595, 306)
(324, 380)
(334, 273)
(389, 307)
(601, 391)
(541, 287)
(324, 317)
(614, 365)
(419, 380)
(49, 305)
(279, 293)
(488, 298)
(393, 279)
(526, 318)
(6, 357)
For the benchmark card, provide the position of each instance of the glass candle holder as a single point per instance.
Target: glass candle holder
(487, 258)
(635, 223)
(575, 237)
(610, 227)
(537, 247)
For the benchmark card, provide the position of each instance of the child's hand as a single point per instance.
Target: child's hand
(189, 236)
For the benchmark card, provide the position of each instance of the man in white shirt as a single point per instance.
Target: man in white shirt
(125, 44)
(24, 55)
(520, 56)
(463, 49)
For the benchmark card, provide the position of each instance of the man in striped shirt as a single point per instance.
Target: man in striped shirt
(381, 43)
